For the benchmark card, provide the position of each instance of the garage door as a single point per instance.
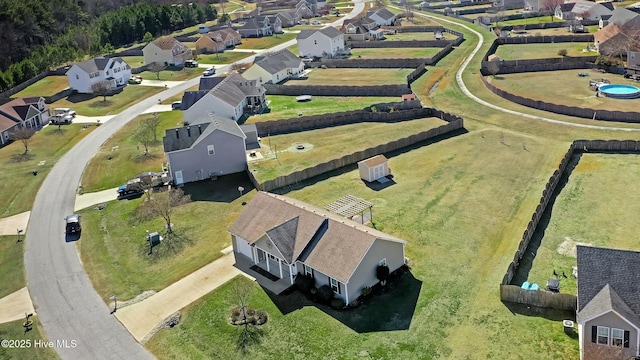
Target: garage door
(243, 247)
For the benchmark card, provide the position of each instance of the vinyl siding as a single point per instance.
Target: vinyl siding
(610, 320)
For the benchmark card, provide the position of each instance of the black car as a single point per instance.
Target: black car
(73, 224)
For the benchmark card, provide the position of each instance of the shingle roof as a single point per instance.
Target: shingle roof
(191, 97)
(621, 16)
(165, 43)
(16, 110)
(566, 7)
(385, 14)
(190, 135)
(607, 300)
(97, 64)
(233, 89)
(327, 242)
(373, 161)
(330, 32)
(209, 82)
(619, 269)
(278, 61)
(251, 24)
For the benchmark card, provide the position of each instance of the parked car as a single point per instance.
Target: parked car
(176, 105)
(135, 79)
(191, 63)
(73, 224)
(64, 112)
(210, 71)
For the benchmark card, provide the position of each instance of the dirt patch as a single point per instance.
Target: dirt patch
(568, 247)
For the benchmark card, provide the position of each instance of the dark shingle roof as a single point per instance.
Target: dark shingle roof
(97, 64)
(621, 16)
(385, 14)
(284, 238)
(607, 300)
(278, 61)
(208, 83)
(191, 97)
(599, 267)
(188, 136)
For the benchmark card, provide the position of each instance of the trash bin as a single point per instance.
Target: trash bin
(568, 327)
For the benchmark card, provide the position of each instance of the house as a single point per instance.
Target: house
(218, 40)
(286, 237)
(273, 21)
(167, 51)
(383, 17)
(622, 17)
(326, 42)
(359, 29)
(209, 146)
(583, 10)
(374, 168)
(608, 313)
(82, 76)
(29, 112)
(508, 4)
(288, 18)
(230, 98)
(614, 40)
(305, 10)
(533, 6)
(275, 67)
(633, 61)
(253, 28)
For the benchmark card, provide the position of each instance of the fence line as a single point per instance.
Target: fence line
(543, 299)
(323, 90)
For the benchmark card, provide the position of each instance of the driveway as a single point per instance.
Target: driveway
(10, 225)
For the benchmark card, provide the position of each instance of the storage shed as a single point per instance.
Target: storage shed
(374, 168)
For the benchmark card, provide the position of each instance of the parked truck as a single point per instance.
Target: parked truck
(142, 182)
(62, 116)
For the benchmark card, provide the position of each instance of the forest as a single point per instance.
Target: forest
(41, 34)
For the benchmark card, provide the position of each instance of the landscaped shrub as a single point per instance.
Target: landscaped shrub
(366, 291)
(382, 273)
(337, 304)
(562, 52)
(603, 60)
(304, 283)
(325, 294)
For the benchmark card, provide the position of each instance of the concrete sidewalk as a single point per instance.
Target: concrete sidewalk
(94, 198)
(10, 225)
(15, 305)
(141, 318)
(80, 119)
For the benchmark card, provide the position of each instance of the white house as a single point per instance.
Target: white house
(28, 112)
(326, 42)
(229, 98)
(83, 75)
(275, 67)
(374, 168)
(583, 10)
(286, 237)
(167, 51)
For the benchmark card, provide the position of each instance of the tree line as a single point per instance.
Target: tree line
(41, 34)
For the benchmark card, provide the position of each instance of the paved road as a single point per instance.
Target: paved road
(68, 306)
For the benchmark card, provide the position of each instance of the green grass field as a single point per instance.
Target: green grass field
(565, 87)
(48, 86)
(266, 41)
(45, 147)
(531, 20)
(284, 107)
(417, 36)
(328, 144)
(14, 331)
(11, 264)
(393, 53)
(88, 105)
(173, 75)
(128, 158)
(134, 61)
(354, 77)
(227, 57)
(540, 51)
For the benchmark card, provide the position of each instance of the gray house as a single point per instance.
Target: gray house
(207, 147)
(284, 237)
(608, 312)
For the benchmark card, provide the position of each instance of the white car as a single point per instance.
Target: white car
(210, 71)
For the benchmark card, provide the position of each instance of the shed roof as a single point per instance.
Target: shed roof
(373, 161)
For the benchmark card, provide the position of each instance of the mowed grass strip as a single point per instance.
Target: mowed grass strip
(18, 185)
(540, 51)
(88, 105)
(462, 213)
(11, 264)
(121, 157)
(422, 36)
(134, 61)
(393, 53)
(227, 57)
(47, 86)
(172, 74)
(328, 144)
(266, 41)
(285, 107)
(598, 206)
(565, 87)
(14, 331)
(115, 253)
(354, 77)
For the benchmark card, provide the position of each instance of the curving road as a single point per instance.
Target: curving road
(74, 317)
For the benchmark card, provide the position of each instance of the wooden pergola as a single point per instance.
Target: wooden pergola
(350, 206)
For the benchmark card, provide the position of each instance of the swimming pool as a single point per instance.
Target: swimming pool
(619, 91)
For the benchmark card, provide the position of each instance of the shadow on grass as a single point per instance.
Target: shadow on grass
(141, 158)
(101, 103)
(248, 336)
(392, 309)
(345, 169)
(172, 244)
(22, 157)
(78, 98)
(534, 311)
(377, 186)
(60, 131)
(526, 263)
(223, 189)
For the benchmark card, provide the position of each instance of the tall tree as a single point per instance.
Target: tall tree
(163, 204)
(152, 122)
(144, 137)
(102, 88)
(156, 68)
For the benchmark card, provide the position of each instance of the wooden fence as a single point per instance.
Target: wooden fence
(325, 90)
(543, 299)
(454, 123)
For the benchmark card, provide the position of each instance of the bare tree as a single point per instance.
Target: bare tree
(408, 10)
(163, 204)
(241, 292)
(156, 67)
(152, 122)
(549, 7)
(102, 88)
(23, 134)
(493, 67)
(144, 136)
(625, 40)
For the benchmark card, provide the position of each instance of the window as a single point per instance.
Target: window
(383, 262)
(308, 270)
(315, 42)
(617, 337)
(633, 55)
(211, 150)
(77, 77)
(603, 335)
(335, 286)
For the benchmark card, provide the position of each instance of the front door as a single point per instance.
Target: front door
(179, 178)
(261, 256)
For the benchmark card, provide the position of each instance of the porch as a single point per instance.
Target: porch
(268, 279)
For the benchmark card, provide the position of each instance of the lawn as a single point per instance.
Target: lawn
(227, 57)
(18, 185)
(422, 36)
(122, 157)
(354, 77)
(565, 87)
(597, 206)
(14, 331)
(115, 253)
(540, 51)
(531, 20)
(284, 107)
(266, 42)
(327, 144)
(47, 86)
(89, 105)
(393, 53)
(134, 61)
(11, 264)
(172, 74)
